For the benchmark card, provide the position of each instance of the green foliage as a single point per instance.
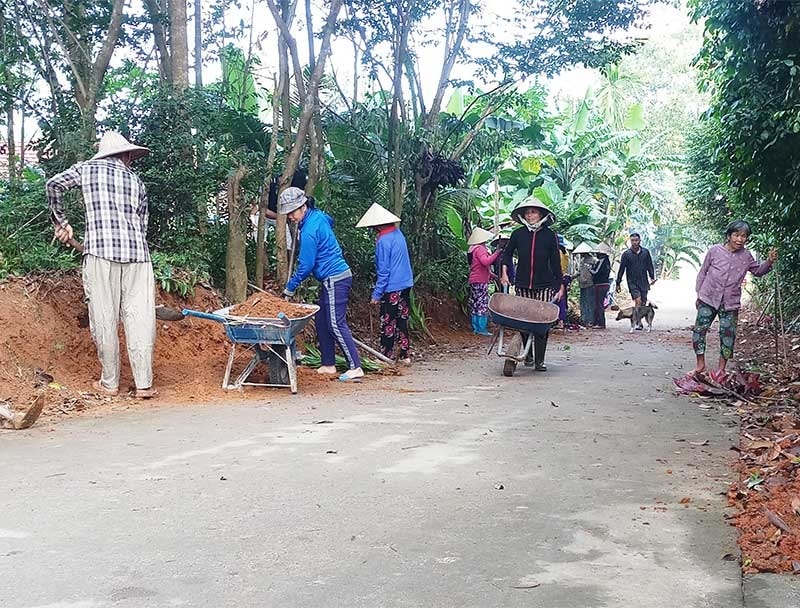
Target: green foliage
(746, 161)
(26, 233)
(178, 273)
(313, 359)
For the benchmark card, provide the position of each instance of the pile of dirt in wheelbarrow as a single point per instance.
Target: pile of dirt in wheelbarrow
(263, 305)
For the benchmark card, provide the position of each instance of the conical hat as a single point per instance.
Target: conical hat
(604, 248)
(377, 216)
(113, 143)
(519, 210)
(478, 236)
(585, 248)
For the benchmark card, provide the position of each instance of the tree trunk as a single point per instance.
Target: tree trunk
(395, 174)
(198, 43)
(157, 13)
(179, 46)
(235, 261)
(261, 245)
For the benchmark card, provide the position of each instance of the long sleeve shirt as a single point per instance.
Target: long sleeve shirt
(719, 282)
(638, 266)
(320, 253)
(116, 208)
(482, 261)
(538, 258)
(392, 263)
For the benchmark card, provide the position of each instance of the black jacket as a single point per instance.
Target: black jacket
(538, 258)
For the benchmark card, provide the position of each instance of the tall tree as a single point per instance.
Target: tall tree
(198, 43)
(178, 43)
(87, 35)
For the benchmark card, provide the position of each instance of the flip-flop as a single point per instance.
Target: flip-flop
(104, 390)
(145, 393)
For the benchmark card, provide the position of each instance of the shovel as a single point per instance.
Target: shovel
(163, 313)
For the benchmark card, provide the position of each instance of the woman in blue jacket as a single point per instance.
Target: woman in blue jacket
(395, 280)
(321, 255)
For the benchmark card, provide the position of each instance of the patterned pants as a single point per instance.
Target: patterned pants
(727, 329)
(539, 342)
(394, 323)
(479, 299)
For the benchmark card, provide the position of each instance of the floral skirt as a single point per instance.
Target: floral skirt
(395, 310)
(479, 299)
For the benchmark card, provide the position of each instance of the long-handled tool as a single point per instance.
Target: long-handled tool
(163, 313)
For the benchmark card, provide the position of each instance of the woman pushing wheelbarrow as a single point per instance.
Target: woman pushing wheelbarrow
(539, 275)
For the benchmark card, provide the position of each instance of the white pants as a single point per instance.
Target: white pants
(274, 225)
(129, 288)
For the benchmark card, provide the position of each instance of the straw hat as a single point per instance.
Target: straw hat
(606, 249)
(584, 248)
(292, 198)
(519, 210)
(113, 143)
(478, 236)
(377, 216)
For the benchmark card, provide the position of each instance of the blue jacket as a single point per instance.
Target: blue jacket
(320, 253)
(392, 264)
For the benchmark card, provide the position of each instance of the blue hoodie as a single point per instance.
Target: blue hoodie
(392, 264)
(320, 253)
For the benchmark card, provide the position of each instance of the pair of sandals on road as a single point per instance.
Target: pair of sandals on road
(136, 393)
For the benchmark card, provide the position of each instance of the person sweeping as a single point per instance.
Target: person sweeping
(321, 255)
(480, 262)
(394, 281)
(719, 291)
(117, 271)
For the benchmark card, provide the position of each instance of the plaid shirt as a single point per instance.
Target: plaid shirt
(116, 208)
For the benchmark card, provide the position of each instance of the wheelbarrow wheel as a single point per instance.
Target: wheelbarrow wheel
(278, 370)
(513, 350)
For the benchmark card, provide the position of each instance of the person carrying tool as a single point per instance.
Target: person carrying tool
(539, 274)
(321, 255)
(638, 263)
(117, 272)
(394, 281)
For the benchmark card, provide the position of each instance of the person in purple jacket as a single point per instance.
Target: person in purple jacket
(395, 279)
(719, 291)
(321, 256)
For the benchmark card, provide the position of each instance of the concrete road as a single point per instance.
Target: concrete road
(590, 485)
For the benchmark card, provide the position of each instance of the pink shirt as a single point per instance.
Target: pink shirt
(719, 282)
(481, 261)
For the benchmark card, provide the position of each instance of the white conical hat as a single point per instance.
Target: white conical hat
(519, 210)
(377, 216)
(478, 236)
(113, 143)
(585, 248)
(605, 248)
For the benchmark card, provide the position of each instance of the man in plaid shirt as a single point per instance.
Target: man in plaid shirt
(117, 272)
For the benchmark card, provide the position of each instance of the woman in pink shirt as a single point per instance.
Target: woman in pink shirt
(479, 262)
(719, 291)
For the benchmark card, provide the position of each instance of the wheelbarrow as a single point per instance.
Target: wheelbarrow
(272, 340)
(518, 314)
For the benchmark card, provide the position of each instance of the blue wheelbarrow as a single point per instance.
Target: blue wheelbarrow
(272, 340)
(518, 314)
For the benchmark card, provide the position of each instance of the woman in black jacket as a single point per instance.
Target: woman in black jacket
(538, 264)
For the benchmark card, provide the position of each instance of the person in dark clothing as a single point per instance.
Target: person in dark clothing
(500, 242)
(638, 264)
(539, 274)
(601, 280)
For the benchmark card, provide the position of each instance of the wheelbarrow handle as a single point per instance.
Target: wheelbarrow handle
(204, 315)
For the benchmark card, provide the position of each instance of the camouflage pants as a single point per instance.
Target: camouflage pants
(727, 329)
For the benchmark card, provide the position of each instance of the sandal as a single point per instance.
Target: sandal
(145, 393)
(104, 390)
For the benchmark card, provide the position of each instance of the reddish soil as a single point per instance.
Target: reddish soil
(767, 495)
(45, 345)
(267, 306)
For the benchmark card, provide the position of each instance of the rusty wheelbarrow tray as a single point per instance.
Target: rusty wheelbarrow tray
(518, 314)
(272, 340)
